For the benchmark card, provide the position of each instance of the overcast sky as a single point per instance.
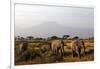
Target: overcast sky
(46, 21)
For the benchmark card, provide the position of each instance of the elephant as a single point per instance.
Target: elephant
(77, 45)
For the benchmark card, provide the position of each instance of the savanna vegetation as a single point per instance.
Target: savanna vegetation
(38, 51)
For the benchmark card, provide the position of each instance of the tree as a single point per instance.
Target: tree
(17, 37)
(30, 37)
(76, 37)
(66, 36)
(22, 38)
(54, 37)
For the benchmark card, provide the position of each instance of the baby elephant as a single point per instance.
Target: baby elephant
(45, 48)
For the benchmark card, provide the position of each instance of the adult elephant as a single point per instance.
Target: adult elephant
(57, 46)
(77, 46)
(23, 46)
(26, 53)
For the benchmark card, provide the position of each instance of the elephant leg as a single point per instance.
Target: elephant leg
(57, 52)
(79, 52)
(62, 52)
(73, 53)
(53, 51)
(84, 50)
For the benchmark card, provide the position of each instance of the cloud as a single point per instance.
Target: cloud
(47, 20)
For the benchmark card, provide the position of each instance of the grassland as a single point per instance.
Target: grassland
(48, 57)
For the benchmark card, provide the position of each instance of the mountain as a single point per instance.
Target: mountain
(47, 29)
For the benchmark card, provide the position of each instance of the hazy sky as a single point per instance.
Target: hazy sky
(46, 21)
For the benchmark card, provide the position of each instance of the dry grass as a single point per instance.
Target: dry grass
(50, 58)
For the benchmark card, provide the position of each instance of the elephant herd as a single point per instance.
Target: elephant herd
(77, 45)
(56, 47)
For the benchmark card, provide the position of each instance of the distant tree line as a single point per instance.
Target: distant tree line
(49, 38)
